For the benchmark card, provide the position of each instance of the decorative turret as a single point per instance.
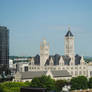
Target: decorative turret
(69, 43)
(72, 61)
(82, 60)
(51, 61)
(61, 61)
(32, 61)
(44, 52)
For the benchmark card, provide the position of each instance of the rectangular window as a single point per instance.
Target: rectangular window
(72, 72)
(26, 68)
(80, 72)
(76, 73)
(84, 72)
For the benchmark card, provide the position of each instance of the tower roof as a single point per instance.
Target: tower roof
(69, 33)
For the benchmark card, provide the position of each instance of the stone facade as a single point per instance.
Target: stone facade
(74, 64)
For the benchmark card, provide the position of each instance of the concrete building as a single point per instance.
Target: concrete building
(11, 63)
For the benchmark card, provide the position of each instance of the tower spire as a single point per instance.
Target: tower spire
(69, 33)
(69, 28)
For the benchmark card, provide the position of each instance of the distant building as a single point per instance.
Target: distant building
(11, 63)
(90, 69)
(66, 66)
(4, 46)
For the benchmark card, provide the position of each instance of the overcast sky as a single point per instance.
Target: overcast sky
(29, 21)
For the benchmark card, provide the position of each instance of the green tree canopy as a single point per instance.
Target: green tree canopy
(79, 82)
(59, 84)
(11, 86)
(44, 82)
(90, 82)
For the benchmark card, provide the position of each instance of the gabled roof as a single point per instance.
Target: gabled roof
(57, 73)
(37, 60)
(77, 59)
(56, 59)
(61, 73)
(69, 33)
(66, 59)
(32, 74)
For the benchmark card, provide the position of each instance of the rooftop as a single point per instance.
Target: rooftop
(69, 33)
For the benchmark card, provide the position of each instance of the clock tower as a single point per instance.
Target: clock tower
(69, 44)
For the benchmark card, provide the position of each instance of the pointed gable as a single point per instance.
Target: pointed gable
(61, 61)
(82, 60)
(32, 61)
(51, 61)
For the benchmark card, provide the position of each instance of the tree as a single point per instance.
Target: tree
(43, 82)
(1, 88)
(79, 82)
(90, 82)
(11, 86)
(59, 84)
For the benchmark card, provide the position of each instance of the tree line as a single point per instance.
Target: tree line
(76, 83)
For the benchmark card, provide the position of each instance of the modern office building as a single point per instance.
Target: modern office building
(4, 46)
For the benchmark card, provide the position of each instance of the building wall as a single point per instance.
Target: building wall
(75, 70)
(69, 46)
(21, 66)
(62, 78)
(4, 46)
(10, 63)
(89, 71)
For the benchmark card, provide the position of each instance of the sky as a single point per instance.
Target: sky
(31, 21)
